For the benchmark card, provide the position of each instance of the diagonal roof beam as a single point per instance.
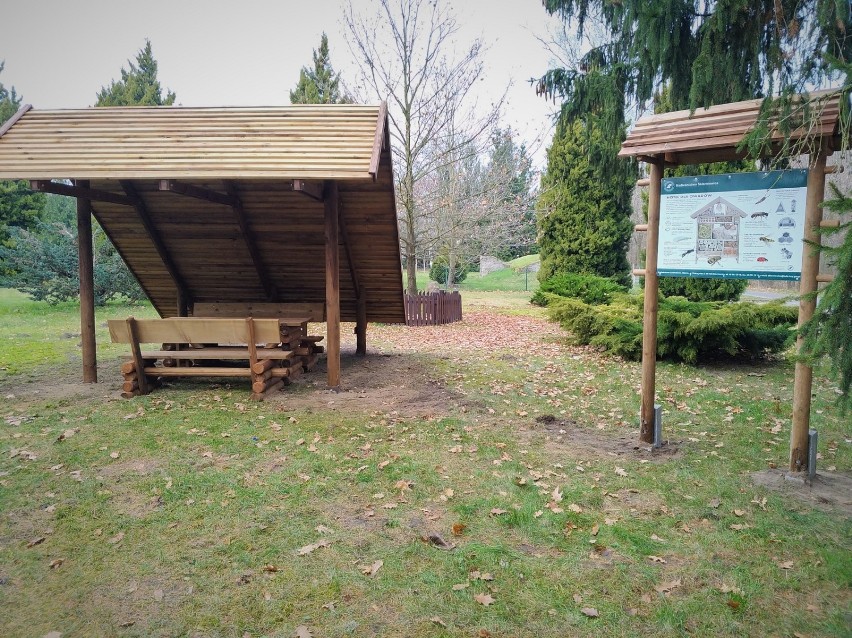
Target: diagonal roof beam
(248, 236)
(154, 235)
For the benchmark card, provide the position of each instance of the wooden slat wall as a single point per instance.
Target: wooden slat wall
(293, 142)
(206, 245)
(716, 130)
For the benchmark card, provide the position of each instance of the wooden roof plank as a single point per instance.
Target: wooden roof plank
(718, 131)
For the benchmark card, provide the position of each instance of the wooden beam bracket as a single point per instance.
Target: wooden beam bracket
(198, 192)
(311, 189)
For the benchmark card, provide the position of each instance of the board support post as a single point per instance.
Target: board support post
(649, 318)
(803, 379)
(332, 282)
(86, 266)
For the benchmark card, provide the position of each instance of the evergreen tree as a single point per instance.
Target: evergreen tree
(829, 333)
(710, 52)
(19, 206)
(138, 86)
(320, 85)
(584, 209)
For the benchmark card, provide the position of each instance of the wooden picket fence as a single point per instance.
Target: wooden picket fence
(432, 309)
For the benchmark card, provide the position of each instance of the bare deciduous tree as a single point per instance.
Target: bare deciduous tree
(407, 53)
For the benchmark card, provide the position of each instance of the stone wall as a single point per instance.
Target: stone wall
(489, 264)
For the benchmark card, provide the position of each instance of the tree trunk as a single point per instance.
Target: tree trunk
(411, 271)
(451, 270)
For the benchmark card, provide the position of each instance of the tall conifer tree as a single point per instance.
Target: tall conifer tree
(320, 85)
(138, 85)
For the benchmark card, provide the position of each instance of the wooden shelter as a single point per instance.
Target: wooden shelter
(236, 206)
(714, 135)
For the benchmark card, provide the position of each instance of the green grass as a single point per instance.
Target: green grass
(36, 335)
(523, 262)
(181, 512)
(507, 279)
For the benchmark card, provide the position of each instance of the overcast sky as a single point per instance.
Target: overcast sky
(58, 53)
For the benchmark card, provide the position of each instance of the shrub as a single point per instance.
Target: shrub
(686, 330)
(588, 288)
(440, 270)
(44, 266)
(696, 289)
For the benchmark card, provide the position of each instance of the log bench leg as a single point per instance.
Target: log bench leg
(132, 386)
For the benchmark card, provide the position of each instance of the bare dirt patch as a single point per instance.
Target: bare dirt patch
(829, 491)
(117, 479)
(567, 434)
(61, 381)
(373, 383)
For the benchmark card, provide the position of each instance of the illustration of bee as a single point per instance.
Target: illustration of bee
(691, 250)
(759, 214)
(714, 259)
(767, 240)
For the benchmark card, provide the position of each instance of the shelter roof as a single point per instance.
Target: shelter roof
(227, 205)
(303, 141)
(713, 134)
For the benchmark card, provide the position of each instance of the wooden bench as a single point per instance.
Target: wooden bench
(188, 341)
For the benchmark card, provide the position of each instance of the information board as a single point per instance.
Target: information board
(737, 225)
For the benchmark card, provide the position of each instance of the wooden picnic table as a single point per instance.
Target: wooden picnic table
(270, 351)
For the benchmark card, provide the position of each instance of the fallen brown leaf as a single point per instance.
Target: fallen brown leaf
(307, 549)
(458, 529)
(56, 563)
(302, 631)
(484, 599)
(371, 570)
(460, 586)
(590, 612)
(36, 541)
(437, 620)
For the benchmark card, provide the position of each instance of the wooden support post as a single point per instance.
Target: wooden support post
(332, 283)
(649, 319)
(803, 379)
(361, 325)
(87, 288)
